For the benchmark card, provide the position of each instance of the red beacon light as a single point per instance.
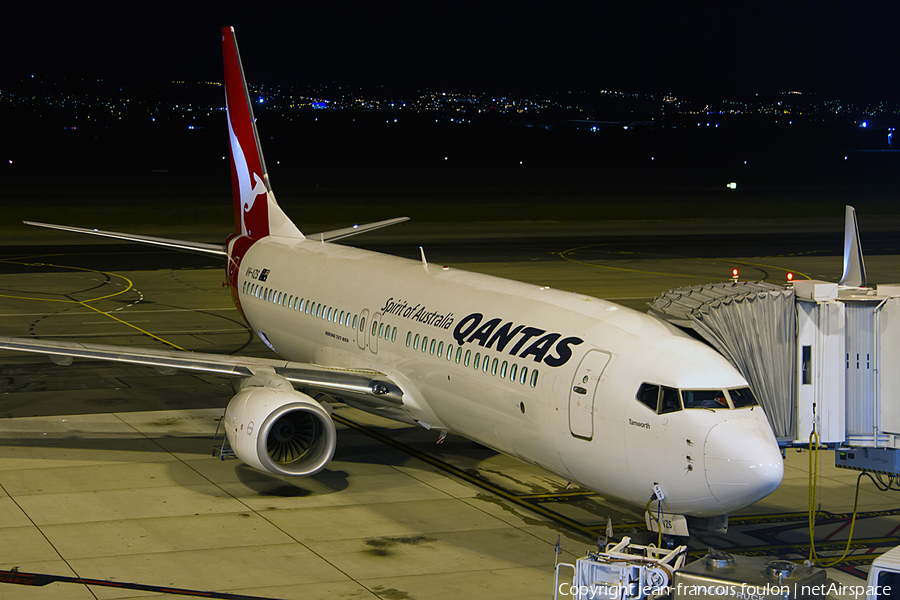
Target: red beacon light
(734, 275)
(790, 280)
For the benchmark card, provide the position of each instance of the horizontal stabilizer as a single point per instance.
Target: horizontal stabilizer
(345, 232)
(369, 385)
(182, 245)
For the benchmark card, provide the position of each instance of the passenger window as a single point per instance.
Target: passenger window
(381, 330)
(704, 399)
(468, 357)
(354, 321)
(342, 318)
(458, 354)
(408, 338)
(648, 395)
(742, 397)
(362, 323)
(503, 370)
(290, 300)
(512, 372)
(449, 351)
(416, 342)
(374, 328)
(328, 315)
(394, 335)
(424, 343)
(431, 350)
(669, 402)
(277, 297)
(440, 349)
(477, 359)
(486, 361)
(524, 375)
(534, 378)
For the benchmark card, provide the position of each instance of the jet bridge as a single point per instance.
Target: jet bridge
(819, 356)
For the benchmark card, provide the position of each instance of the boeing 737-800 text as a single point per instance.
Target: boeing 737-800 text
(599, 394)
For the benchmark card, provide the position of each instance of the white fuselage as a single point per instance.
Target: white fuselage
(577, 417)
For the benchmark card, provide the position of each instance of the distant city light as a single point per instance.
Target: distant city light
(864, 124)
(732, 185)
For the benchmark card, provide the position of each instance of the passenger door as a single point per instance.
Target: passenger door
(583, 391)
(362, 329)
(373, 333)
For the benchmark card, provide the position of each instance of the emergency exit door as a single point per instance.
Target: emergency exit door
(584, 389)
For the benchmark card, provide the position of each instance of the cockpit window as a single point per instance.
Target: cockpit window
(648, 395)
(742, 397)
(704, 399)
(669, 402)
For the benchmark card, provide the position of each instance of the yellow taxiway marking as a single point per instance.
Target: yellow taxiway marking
(85, 304)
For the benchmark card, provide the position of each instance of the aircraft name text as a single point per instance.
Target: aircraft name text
(419, 312)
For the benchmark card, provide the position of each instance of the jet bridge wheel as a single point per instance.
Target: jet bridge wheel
(291, 437)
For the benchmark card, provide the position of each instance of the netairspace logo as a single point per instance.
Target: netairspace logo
(740, 592)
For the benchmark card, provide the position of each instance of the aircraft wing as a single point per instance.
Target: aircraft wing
(368, 386)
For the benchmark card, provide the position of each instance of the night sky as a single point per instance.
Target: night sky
(839, 49)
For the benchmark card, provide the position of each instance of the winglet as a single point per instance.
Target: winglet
(854, 265)
(256, 213)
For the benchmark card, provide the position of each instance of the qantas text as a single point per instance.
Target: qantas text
(491, 332)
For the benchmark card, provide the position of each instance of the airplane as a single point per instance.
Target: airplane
(604, 396)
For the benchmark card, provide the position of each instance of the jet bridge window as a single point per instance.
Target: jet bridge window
(704, 399)
(742, 397)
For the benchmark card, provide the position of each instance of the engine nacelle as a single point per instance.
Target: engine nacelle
(276, 429)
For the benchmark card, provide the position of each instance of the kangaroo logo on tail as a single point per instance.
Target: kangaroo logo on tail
(247, 194)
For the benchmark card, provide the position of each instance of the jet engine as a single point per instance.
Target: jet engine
(276, 429)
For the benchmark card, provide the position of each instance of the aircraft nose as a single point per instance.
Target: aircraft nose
(743, 463)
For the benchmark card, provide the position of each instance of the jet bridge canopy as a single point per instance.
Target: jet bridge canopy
(753, 325)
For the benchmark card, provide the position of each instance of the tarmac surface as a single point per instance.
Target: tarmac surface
(107, 473)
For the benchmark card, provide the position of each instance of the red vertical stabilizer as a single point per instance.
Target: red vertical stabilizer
(256, 214)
